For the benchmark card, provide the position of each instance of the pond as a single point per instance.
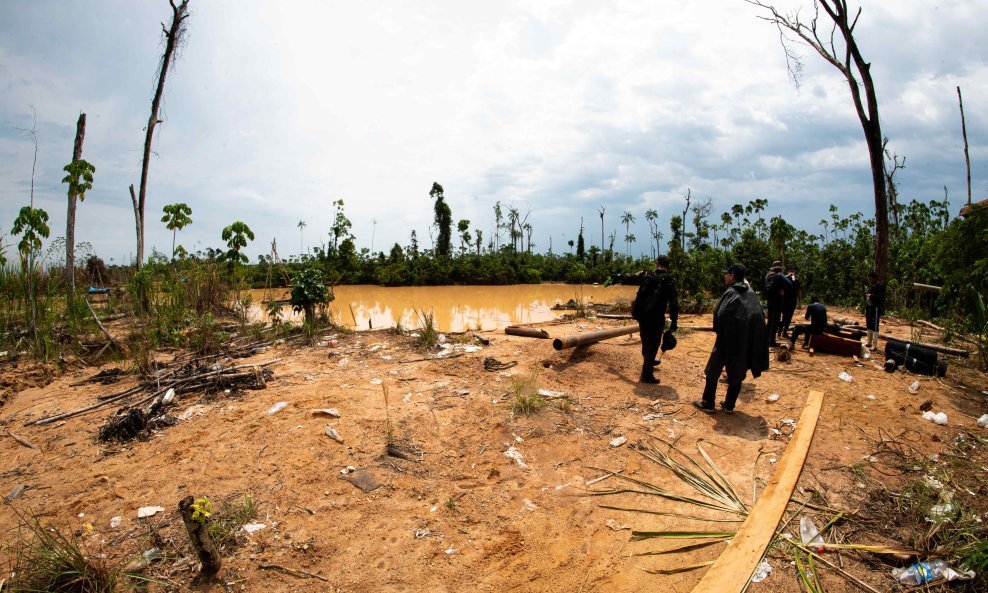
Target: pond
(454, 308)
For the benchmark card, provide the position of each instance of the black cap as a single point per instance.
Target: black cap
(737, 269)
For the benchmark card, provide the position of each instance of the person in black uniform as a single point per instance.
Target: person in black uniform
(776, 286)
(657, 294)
(874, 308)
(789, 301)
(817, 314)
(741, 344)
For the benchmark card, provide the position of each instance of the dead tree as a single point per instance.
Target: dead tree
(967, 155)
(174, 35)
(840, 49)
(80, 135)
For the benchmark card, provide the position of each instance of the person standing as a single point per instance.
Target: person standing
(741, 344)
(874, 308)
(789, 301)
(656, 295)
(817, 314)
(776, 286)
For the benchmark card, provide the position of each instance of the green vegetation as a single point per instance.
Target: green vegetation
(526, 399)
(229, 518)
(46, 559)
(308, 292)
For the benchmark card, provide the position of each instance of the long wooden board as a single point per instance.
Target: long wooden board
(730, 573)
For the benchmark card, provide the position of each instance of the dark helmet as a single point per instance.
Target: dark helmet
(668, 341)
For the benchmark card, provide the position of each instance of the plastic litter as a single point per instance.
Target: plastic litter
(617, 442)
(276, 408)
(331, 433)
(253, 526)
(845, 376)
(515, 454)
(810, 534)
(332, 412)
(169, 397)
(929, 572)
(145, 512)
(983, 421)
(939, 511)
(914, 387)
(937, 418)
(115, 522)
(761, 572)
(772, 397)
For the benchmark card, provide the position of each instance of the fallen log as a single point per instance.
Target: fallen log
(526, 332)
(589, 338)
(99, 324)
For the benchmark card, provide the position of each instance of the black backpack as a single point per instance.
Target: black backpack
(649, 300)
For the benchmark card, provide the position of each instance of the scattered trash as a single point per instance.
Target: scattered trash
(914, 388)
(651, 417)
(308, 378)
(926, 406)
(332, 412)
(348, 470)
(515, 454)
(144, 512)
(810, 534)
(922, 573)
(529, 505)
(169, 397)
(871, 397)
(939, 511)
(845, 376)
(331, 433)
(196, 410)
(617, 442)
(938, 418)
(772, 397)
(343, 361)
(450, 551)
(362, 479)
(865, 353)
(761, 572)
(614, 526)
(15, 492)
(276, 408)
(420, 533)
(550, 394)
(115, 522)
(375, 381)
(253, 527)
(143, 561)
(983, 421)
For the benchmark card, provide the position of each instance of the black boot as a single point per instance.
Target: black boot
(648, 378)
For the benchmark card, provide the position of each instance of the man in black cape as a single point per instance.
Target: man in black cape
(742, 341)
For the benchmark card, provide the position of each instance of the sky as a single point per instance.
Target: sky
(556, 108)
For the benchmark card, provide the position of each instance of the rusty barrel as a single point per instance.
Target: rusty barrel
(589, 338)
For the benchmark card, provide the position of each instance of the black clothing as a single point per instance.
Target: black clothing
(817, 314)
(776, 286)
(789, 301)
(656, 295)
(741, 343)
(875, 306)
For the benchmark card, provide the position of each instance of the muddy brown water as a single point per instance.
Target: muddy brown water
(455, 308)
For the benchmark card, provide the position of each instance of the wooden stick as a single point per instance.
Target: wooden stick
(732, 570)
(202, 543)
(99, 324)
(20, 440)
(293, 572)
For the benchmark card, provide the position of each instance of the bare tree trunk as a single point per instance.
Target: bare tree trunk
(80, 134)
(686, 210)
(202, 543)
(967, 156)
(173, 38)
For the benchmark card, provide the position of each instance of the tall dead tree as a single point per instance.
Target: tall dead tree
(967, 155)
(80, 135)
(838, 47)
(174, 35)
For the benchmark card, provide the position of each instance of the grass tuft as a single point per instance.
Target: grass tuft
(224, 523)
(526, 400)
(47, 560)
(428, 334)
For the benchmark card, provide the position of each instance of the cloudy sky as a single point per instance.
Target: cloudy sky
(554, 107)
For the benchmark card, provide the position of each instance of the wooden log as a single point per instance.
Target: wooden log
(202, 543)
(527, 332)
(926, 287)
(732, 570)
(99, 324)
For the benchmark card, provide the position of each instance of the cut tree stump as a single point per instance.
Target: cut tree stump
(205, 549)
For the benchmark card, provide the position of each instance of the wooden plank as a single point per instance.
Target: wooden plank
(730, 573)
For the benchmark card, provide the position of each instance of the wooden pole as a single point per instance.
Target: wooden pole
(80, 135)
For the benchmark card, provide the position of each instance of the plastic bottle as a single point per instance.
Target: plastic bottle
(921, 572)
(810, 534)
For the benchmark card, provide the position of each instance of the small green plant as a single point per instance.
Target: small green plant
(231, 517)
(205, 335)
(450, 504)
(201, 510)
(526, 400)
(308, 291)
(428, 335)
(48, 560)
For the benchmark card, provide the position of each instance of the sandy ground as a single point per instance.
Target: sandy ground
(462, 516)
